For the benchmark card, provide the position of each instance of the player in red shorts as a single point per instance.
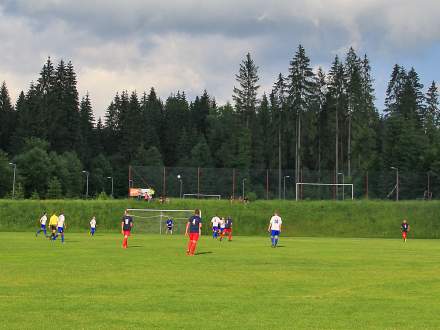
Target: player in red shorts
(228, 229)
(194, 229)
(404, 228)
(126, 225)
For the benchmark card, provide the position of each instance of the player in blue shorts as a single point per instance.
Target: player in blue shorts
(93, 226)
(61, 226)
(43, 221)
(170, 225)
(275, 228)
(215, 221)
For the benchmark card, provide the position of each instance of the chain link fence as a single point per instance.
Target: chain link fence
(272, 184)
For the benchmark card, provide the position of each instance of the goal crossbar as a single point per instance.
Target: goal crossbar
(325, 184)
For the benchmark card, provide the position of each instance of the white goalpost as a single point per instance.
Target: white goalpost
(202, 196)
(343, 185)
(154, 220)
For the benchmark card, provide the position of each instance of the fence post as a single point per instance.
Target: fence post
(129, 179)
(164, 185)
(366, 186)
(267, 184)
(233, 183)
(198, 182)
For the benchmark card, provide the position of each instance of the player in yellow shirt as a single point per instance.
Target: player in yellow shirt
(53, 222)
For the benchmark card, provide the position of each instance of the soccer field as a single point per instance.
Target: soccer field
(244, 284)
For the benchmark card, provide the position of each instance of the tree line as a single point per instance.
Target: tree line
(314, 122)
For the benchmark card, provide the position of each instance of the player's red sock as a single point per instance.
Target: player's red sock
(193, 248)
(188, 251)
(124, 243)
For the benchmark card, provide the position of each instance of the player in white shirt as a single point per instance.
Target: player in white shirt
(43, 221)
(222, 225)
(61, 226)
(275, 228)
(93, 226)
(215, 226)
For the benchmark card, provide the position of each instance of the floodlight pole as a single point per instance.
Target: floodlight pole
(343, 186)
(284, 184)
(397, 181)
(243, 187)
(110, 177)
(87, 183)
(179, 177)
(13, 180)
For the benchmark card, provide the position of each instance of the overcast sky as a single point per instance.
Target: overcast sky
(193, 45)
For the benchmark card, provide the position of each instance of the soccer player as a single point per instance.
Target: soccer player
(93, 226)
(275, 228)
(228, 229)
(126, 226)
(53, 222)
(170, 225)
(215, 221)
(222, 226)
(194, 229)
(61, 226)
(43, 221)
(404, 228)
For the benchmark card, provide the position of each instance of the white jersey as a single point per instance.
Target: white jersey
(43, 220)
(61, 220)
(93, 223)
(275, 222)
(215, 221)
(222, 223)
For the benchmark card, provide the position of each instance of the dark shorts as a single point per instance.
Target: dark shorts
(53, 228)
(61, 230)
(275, 233)
(193, 236)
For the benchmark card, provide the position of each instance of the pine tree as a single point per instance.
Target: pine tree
(88, 143)
(432, 105)
(7, 118)
(245, 96)
(300, 87)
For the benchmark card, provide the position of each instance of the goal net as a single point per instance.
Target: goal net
(205, 196)
(155, 221)
(339, 191)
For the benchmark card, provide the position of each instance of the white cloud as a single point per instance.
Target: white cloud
(193, 45)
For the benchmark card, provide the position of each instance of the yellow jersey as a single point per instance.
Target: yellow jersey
(53, 220)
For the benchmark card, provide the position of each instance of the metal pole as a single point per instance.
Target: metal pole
(13, 180)
(429, 187)
(284, 183)
(243, 187)
(87, 183)
(110, 177)
(113, 195)
(198, 182)
(397, 184)
(267, 184)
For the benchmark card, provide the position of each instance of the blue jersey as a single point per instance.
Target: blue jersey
(127, 221)
(194, 223)
(170, 223)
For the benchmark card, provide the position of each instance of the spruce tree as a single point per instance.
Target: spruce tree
(245, 95)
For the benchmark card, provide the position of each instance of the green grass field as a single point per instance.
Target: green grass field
(338, 283)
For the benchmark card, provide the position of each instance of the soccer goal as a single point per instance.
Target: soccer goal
(205, 196)
(324, 190)
(154, 221)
